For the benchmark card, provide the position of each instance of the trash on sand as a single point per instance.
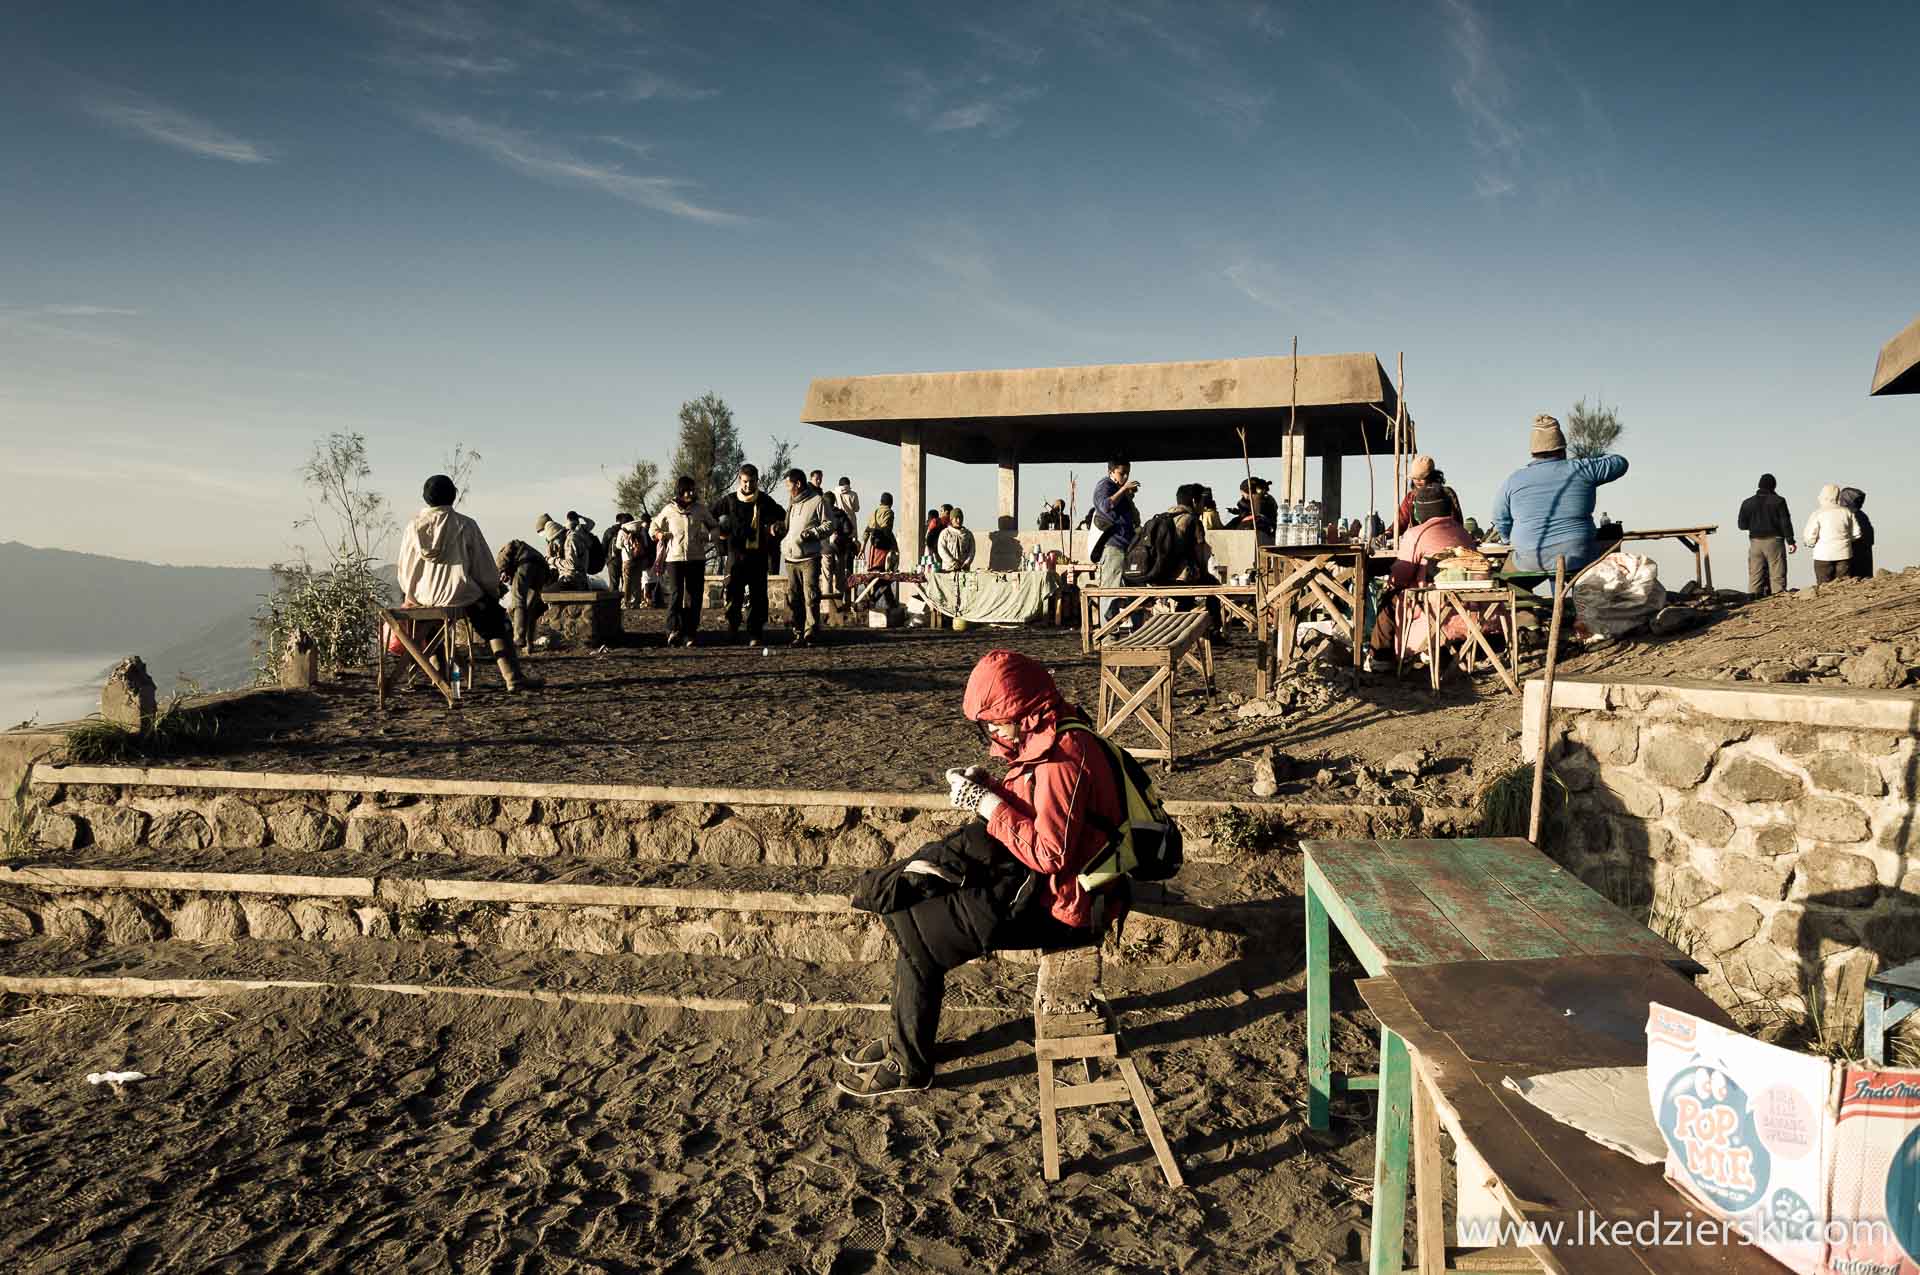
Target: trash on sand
(114, 1077)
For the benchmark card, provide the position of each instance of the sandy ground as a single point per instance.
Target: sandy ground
(339, 1130)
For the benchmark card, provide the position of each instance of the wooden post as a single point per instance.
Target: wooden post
(1293, 480)
(1546, 698)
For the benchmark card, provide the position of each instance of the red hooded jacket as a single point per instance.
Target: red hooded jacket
(1057, 783)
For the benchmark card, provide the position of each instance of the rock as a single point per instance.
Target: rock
(381, 835)
(1723, 929)
(483, 841)
(14, 924)
(730, 841)
(1709, 825)
(1896, 937)
(1758, 878)
(825, 818)
(70, 922)
(1669, 620)
(1831, 819)
(536, 840)
(665, 839)
(1750, 779)
(1836, 878)
(1266, 778)
(128, 921)
(1633, 795)
(1676, 761)
(1846, 772)
(128, 697)
(1414, 762)
(305, 830)
(55, 831)
(1814, 933)
(300, 665)
(1258, 708)
(468, 812)
(374, 922)
(1613, 741)
(1775, 839)
(326, 920)
(117, 827)
(237, 825)
(208, 920)
(1879, 666)
(597, 839)
(268, 920)
(181, 830)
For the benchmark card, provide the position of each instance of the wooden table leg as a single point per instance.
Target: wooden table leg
(1429, 1225)
(1706, 560)
(380, 670)
(1390, 1146)
(1319, 1015)
(1086, 622)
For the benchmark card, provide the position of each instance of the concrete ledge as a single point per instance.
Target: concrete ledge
(1897, 712)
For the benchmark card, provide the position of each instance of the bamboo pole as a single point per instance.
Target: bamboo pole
(1546, 698)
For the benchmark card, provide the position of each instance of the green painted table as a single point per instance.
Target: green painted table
(1400, 903)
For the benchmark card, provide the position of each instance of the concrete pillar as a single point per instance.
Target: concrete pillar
(1009, 510)
(910, 510)
(1293, 467)
(1330, 486)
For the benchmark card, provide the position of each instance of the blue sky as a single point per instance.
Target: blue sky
(537, 228)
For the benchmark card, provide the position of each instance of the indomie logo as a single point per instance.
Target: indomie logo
(1711, 1134)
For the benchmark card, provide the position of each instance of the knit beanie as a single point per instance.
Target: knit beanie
(439, 490)
(1422, 466)
(1546, 435)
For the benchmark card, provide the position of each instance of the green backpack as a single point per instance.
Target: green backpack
(1146, 846)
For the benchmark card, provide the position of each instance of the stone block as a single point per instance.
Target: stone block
(181, 830)
(1878, 667)
(1676, 886)
(598, 931)
(1614, 741)
(1749, 779)
(1798, 741)
(515, 811)
(237, 824)
(825, 818)
(1837, 878)
(1831, 819)
(732, 841)
(267, 919)
(1846, 773)
(596, 839)
(1677, 761)
(340, 803)
(1758, 878)
(796, 851)
(1709, 825)
(430, 839)
(664, 840)
(558, 810)
(1628, 792)
(1724, 928)
(1638, 839)
(1770, 971)
(860, 847)
(468, 812)
(1775, 839)
(70, 923)
(376, 834)
(482, 841)
(326, 920)
(129, 921)
(213, 919)
(15, 924)
(534, 840)
(304, 830)
(1894, 934)
(55, 831)
(128, 698)
(374, 922)
(117, 827)
(1814, 934)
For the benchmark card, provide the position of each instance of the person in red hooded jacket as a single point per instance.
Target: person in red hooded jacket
(1014, 870)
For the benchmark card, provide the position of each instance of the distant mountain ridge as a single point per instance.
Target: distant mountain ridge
(194, 621)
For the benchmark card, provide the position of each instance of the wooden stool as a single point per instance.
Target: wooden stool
(400, 621)
(1159, 646)
(1071, 1019)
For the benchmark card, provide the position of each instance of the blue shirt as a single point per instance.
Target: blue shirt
(1123, 513)
(1550, 503)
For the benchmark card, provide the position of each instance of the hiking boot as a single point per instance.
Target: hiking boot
(871, 1054)
(880, 1081)
(508, 662)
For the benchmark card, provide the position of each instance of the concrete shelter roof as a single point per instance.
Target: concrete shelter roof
(1145, 411)
(1898, 371)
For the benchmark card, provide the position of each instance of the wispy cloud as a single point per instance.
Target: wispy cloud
(156, 122)
(71, 311)
(448, 65)
(953, 266)
(1190, 53)
(650, 86)
(534, 157)
(642, 149)
(961, 103)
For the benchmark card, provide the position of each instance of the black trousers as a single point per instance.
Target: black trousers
(747, 582)
(488, 619)
(686, 590)
(1824, 571)
(917, 992)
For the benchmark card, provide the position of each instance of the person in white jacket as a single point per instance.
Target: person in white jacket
(444, 562)
(1830, 533)
(683, 529)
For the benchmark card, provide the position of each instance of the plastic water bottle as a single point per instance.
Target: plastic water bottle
(1316, 523)
(456, 681)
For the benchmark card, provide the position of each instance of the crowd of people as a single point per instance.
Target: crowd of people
(1839, 534)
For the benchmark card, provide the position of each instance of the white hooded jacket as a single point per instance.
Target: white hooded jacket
(444, 560)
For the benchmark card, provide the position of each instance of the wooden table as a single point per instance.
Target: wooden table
(1694, 538)
(1892, 995)
(1230, 597)
(1457, 1032)
(1294, 580)
(1435, 602)
(400, 620)
(1422, 902)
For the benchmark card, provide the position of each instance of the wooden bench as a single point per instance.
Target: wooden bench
(1461, 1032)
(400, 621)
(1159, 646)
(1423, 902)
(1237, 602)
(1891, 997)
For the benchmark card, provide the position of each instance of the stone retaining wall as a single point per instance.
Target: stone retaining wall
(1773, 834)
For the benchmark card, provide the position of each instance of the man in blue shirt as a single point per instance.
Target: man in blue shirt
(1546, 509)
(1115, 520)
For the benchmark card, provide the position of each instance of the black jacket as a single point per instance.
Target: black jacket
(1765, 514)
(735, 516)
(940, 925)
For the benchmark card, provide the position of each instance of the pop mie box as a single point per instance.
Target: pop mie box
(1815, 1162)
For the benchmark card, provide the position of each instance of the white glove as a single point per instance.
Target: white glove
(967, 790)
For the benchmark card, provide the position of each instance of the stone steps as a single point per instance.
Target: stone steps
(140, 895)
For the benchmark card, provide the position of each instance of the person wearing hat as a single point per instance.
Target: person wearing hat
(1545, 510)
(1428, 489)
(444, 562)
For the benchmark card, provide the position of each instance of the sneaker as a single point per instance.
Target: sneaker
(878, 1082)
(871, 1054)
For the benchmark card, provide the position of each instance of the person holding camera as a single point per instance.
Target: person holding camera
(1116, 520)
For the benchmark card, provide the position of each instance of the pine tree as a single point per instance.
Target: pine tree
(709, 449)
(1592, 431)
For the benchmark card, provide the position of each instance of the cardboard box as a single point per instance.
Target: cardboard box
(1816, 1162)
